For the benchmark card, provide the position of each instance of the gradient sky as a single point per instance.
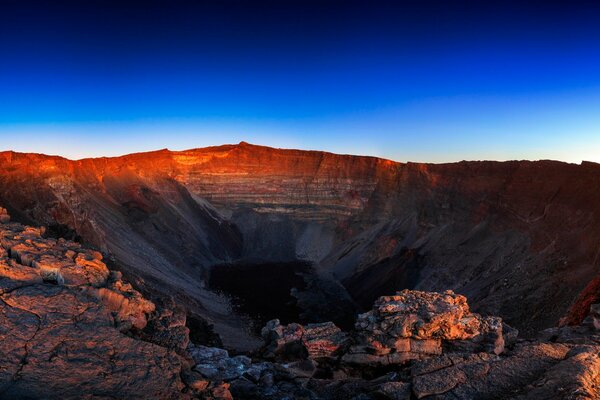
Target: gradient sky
(410, 81)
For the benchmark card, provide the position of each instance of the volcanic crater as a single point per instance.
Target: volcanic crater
(239, 234)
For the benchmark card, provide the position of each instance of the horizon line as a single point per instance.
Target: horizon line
(245, 143)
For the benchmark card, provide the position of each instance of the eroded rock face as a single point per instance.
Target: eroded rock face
(61, 326)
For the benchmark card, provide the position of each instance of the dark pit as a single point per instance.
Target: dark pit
(261, 291)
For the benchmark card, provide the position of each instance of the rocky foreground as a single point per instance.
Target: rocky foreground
(70, 328)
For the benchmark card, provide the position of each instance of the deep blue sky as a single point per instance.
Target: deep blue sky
(419, 81)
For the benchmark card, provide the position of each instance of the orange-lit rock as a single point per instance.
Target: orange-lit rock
(316, 341)
(413, 325)
(59, 342)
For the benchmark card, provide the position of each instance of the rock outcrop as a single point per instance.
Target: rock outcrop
(414, 325)
(64, 319)
(315, 341)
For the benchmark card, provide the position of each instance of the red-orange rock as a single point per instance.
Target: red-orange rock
(58, 342)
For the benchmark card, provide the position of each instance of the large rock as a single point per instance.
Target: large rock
(530, 371)
(60, 341)
(215, 364)
(422, 315)
(294, 341)
(414, 325)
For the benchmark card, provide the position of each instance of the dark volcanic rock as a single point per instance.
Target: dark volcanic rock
(530, 371)
(294, 341)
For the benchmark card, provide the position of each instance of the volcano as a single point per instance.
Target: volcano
(224, 230)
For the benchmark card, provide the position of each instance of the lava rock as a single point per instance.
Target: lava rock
(294, 341)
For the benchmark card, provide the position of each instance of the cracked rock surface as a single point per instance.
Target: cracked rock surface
(62, 321)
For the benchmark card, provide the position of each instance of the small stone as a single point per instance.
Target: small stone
(428, 346)
(595, 314)
(52, 275)
(394, 391)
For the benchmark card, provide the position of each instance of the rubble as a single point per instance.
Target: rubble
(430, 344)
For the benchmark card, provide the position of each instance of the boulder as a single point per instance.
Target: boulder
(422, 315)
(215, 364)
(294, 341)
(414, 325)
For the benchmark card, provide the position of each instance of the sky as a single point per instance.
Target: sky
(429, 81)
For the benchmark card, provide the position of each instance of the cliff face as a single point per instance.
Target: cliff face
(520, 239)
(304, 184)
